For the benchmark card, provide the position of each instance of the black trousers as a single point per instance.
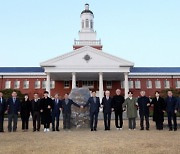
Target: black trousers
(12, 118)
(142, 116)
(172, 116)
(118, 119)
(66, 120)
(25, 123)
(132, 123)
(107, 120)
(55, 117)
(93, 120)
(36, 120)
(1, 123)
(159, 125)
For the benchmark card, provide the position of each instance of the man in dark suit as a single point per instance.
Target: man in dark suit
(66, 110)
(35, 110)
(171, 109)
(94, 103)
(107, 109)
(56, 112)
(118, 101)
(2, 110)
(13, 105)
(143, 105)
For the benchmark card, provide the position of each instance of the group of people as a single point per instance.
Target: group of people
(46, 110)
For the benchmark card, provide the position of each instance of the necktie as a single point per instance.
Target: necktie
(1, 100)
(14, 100)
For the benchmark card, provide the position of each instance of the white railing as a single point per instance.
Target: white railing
(87, 42)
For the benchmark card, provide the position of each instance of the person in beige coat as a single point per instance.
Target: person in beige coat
(131, 105)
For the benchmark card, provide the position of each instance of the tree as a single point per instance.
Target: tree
(7, 93)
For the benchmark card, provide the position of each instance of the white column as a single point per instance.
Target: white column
(101, 89)
(48, 83)
(126, 84)
(73, 80)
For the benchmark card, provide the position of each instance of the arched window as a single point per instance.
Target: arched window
(87, 23)
(91, 24)
(83, 24)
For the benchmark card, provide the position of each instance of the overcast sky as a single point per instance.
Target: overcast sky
(146, 32)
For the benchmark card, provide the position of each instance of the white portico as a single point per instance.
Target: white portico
(87, 63)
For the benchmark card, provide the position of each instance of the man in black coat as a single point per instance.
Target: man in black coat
(171, 109)
(66, 110)
(94, 103)
(13, 106)
(56, 112)
(118, 101)
(46, 109)
(143, 105)
(35, 110)
(107, 109)
(2, 110)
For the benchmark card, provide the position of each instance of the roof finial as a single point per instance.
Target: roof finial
(86, 6)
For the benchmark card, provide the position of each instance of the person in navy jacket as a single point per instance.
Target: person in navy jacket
(2, 111)
(143, 105)
(66, 110)
(94, 103)
(171, 109)
(13, 106)
(107, 109)
(56, 112)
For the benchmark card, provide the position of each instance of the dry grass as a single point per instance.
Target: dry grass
(82, 141)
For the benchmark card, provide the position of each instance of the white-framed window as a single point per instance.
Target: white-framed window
(26, 84)
(44, 84)
(37, 84)
(158, 84)
(7, 84)
(167, 84)
(52, 84)
(109, 84)
(87, 23)
(131, 84)
(138, 84)
(66, 84)
(122, 84)
(89, 84)
(177, 84)
(16, 84)
(149, 84)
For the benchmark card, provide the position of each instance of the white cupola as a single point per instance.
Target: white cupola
(87, 35)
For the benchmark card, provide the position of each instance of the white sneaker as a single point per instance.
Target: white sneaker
(129, 129)
(134, 129)
(120, 128)
(117, 128)
(45, 129)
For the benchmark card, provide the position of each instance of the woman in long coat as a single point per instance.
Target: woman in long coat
(25, 109)
(159, 108)
(131, 105)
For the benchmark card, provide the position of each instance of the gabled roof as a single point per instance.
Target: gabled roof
(87, 49)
